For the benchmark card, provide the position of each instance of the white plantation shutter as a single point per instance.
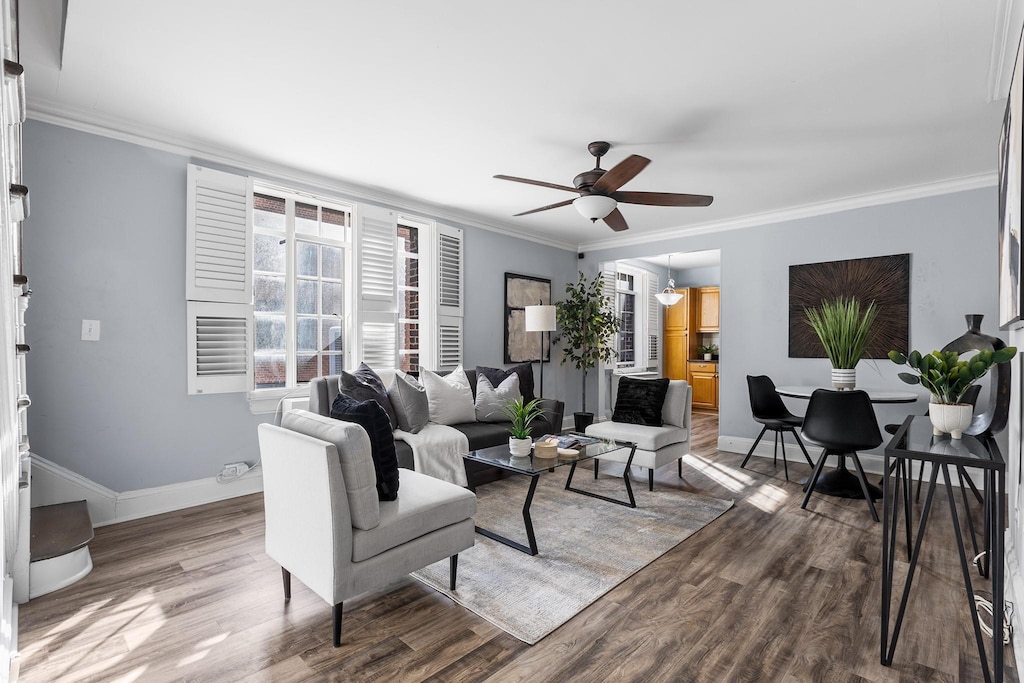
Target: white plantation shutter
(218, 281)
(378, 295)
(653, 322)
(220, 240)
(219, 358)
(609, 284)
(450, 293)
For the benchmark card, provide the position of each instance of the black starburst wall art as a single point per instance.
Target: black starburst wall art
(882, 279)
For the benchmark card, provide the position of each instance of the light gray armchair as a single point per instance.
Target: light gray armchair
(325, 525)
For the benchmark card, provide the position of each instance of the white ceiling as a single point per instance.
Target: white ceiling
(765, 105)
(681, 260)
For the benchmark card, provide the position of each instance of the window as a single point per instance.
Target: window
(627, 319)
(409, 295)
(300, 264)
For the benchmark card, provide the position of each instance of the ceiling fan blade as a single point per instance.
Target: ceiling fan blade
(662, 198)
(536, 182)
(620, 174)
(567, 202)
(616, 221)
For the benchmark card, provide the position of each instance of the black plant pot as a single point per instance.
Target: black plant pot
(583, 420)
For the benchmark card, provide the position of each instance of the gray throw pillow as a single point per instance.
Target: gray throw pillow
(409, 399)
(490, 399)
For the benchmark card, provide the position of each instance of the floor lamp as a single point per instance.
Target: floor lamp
(541, 319)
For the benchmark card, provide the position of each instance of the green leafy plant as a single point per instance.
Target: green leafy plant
(521, 414)
(946, 376)
(843, 329)
(710, 348)
(587, 323)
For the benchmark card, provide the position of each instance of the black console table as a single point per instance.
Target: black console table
(914, 441)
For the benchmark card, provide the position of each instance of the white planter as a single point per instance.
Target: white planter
(844, 378)
(707, 356)
(950, 418)
(519, 447)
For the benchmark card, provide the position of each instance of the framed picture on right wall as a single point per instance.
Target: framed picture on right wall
(1010, 200)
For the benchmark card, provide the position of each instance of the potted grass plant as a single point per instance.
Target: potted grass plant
(845, 330)
(948, 378)
(587, 324)
(708, 351)
(521, 414)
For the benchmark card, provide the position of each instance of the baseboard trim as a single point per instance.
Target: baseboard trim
(52, 483)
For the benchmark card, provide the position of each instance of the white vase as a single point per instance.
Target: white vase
(950, 418)
(519, 447)
(707, 356)
(844, 378)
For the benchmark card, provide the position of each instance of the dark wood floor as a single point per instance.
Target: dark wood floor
(766, 593)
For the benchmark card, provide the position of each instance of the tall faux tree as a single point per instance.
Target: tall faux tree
(587, 323)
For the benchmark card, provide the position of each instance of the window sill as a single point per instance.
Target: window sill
(267, 401)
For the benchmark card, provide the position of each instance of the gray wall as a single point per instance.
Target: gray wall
(106, 241)
(699, 277)
(952, 242)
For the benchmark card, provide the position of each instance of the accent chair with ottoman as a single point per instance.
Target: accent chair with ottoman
(326, 523)
(655, 414)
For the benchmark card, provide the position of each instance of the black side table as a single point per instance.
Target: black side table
(914, 441)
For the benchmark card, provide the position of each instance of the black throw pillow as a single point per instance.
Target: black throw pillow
(639, 401)
(366, 385)
(371, 417)
(525, 371)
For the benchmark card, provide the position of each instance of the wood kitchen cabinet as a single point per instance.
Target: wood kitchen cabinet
(679, 337)
(707, 306)
(703, 378)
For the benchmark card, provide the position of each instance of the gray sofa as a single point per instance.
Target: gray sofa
(323, 391)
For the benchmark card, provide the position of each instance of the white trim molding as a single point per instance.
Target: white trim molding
(1005, 35)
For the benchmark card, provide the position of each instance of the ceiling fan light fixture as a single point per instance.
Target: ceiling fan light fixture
(594, 206)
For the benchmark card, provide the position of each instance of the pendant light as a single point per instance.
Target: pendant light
(669, 296)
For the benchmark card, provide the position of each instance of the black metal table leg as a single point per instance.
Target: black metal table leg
(527, 521)
(625, 477)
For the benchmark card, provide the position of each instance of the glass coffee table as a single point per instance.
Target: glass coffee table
(532, 466)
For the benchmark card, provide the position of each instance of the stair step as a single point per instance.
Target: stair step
(59, 529)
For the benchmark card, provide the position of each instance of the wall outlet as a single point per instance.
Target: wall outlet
(90, 330)
(234, 469)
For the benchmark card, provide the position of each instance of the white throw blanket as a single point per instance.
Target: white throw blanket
(437, 451)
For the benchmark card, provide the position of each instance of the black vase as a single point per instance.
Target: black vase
(583, 420)
(993, 420)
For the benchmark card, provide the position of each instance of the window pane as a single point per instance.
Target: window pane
(305, 259)
(268, 212)
(305, 300)
(409, 304)
(305, 335)
(410, 238)
(331, 364)
(331, 339)
(333, 262)
(268, 293)
(270, 370)
(269, 254)
(269, 333)
(409, 272)
(306, 367)
(410, 337)
(332, 304)
(409, 362)
(307, 219)
(334, 222)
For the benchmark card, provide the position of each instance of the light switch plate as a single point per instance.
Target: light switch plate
(90, 330)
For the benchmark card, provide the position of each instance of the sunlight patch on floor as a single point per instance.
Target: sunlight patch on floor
(768, 497)
(133, 675)
(725, 476)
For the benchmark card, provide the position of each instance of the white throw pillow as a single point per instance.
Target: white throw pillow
(490, 399)
(450, 399)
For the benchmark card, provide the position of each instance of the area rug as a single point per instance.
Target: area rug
(586, 548)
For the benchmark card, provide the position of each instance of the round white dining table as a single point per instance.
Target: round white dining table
(841, 482)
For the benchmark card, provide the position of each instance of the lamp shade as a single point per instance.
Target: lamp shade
(668, 297)
(540, 318)
(594, 206)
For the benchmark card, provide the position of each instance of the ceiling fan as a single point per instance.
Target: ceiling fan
(598, 190)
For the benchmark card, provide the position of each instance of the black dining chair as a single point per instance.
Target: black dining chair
(842, 422)
(970, 396)
(767, 408)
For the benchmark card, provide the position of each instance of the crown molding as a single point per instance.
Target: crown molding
(1006, 34)
(806, 211)
(153, 138)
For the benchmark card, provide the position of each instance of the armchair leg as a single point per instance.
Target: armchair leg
(597, 466)
(679, 463)
(286, 578)
(453, 570)
(337, 625)
(650, 479)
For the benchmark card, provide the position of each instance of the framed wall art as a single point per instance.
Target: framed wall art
(1010, 199)
(882, 279)
(522, 291)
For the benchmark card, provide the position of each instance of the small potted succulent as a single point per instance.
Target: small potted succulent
(845, 331)
(948, 378)
(521, 414)
(708, 351)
